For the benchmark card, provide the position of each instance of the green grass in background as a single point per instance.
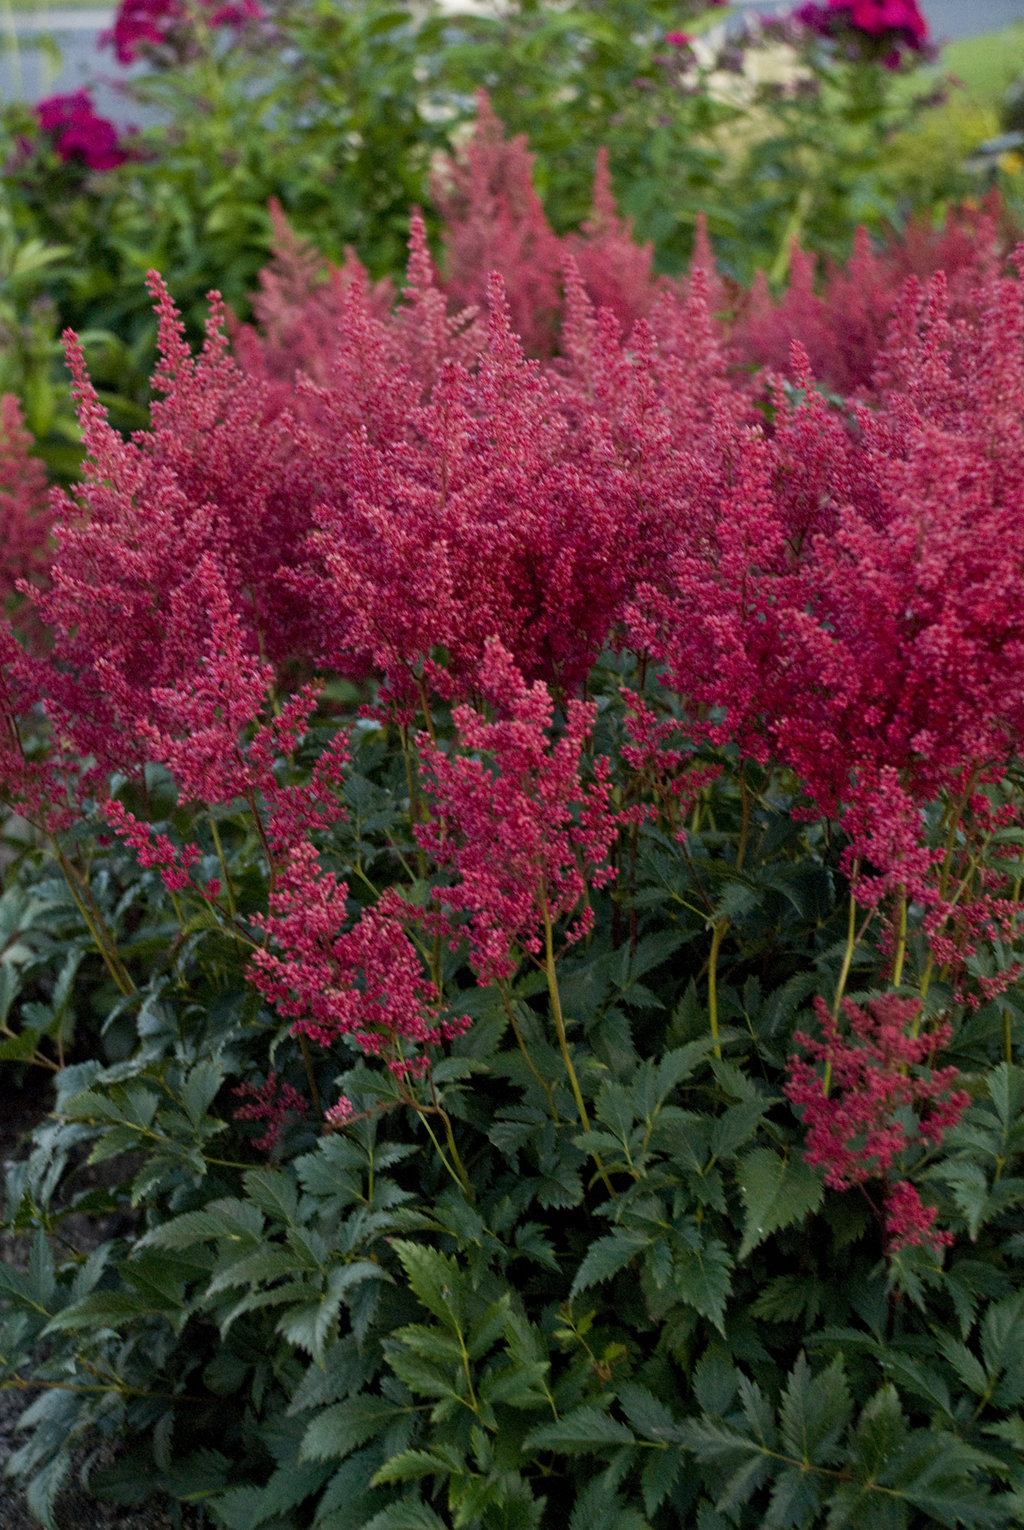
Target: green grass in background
(987, 65)
(41, 8)
(983, 68)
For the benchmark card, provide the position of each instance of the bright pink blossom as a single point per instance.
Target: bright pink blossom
(174, 862)
(78, 133)
(164, 27)
(881, 1099)
(334, 977)
(272, 1101)
(909, 1222)
(340, 1113)
(511, 816)
(897, 23)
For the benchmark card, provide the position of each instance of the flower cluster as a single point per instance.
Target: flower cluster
(164, 30)
(272, 1101)
(25, 515)
(841, 316)
(154, 850)
(338, 978)
(884, 27)
(512, 818)
(78, 134)
(876, 1102)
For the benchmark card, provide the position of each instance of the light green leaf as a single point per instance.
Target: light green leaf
(585, 1428)
(337, 1431)
(776, 1192)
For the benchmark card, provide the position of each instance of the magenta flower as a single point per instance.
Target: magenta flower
(512, 818)
(882, 1099)
(896, 23)
(271, 1102)
(141, 26)
(78, 134)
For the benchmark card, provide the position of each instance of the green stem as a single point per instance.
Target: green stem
(901, 941)
(17, 1383)
(307, 1062)
(94, 921)
(851, 945)
(556, 1010)
(229, 890)
(542, 1081)
(844, 971)
(563, 1042)
(458, 1173)
(718, 935)
(791, 235)
(415, 809)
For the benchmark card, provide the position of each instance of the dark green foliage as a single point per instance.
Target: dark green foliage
(658, 1318)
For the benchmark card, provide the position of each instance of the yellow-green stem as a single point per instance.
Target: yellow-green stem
(791, 236)
(556, 1010)
(229, 891)
(415, 815)
(307, 1062)
(851, 944)
(542, 1081)
(901, 941)
(844, 971)
(428, 721)
(95, 923)
(458, 1173)
(717, 936)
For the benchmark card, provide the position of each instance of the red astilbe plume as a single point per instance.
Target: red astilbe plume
(616, 271)
(207, 729)
(662, 427)
(155, 851)
(212, 485)
(842, 328)
(843, 323)
(716, 618)
(475, 514)
(273, 1101)
(494, 221)
(880, 1101)
(911, 658)
(846, 597)
(514, 821)
(298, 312)
(211, 431)
(335, 978)
(42, 780)
(426, 335)
(25, 520)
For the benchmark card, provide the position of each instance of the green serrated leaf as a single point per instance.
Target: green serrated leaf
(275, 1193)
(409, 1465)
(436, 1279)
(776, 1192)
(337, 1431)
(607, 1256)
(585, 1428)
